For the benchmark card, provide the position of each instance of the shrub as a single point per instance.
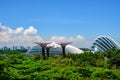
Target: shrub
(106, 75)
(37, 57)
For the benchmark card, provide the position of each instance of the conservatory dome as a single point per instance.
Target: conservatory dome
(56, 49)
(104, 43)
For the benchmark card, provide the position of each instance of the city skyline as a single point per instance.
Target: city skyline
(79, 21)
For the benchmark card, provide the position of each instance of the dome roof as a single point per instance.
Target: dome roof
(104, 43)
(56, 49)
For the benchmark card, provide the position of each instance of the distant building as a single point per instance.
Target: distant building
(104, 43)
(14, 47)
(5, 48)
(22, 47)
(28, 48)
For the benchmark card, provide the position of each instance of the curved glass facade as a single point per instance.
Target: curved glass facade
(103, 44)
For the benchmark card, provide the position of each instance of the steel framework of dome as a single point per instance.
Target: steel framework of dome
(104, 43)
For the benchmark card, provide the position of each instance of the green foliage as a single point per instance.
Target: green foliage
(115, 61)
(113, 58)
(96, 59)
(2, 65)
(87, 66)
(37, 57)
(106, 75)
(10, 52)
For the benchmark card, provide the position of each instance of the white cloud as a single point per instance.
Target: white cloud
(58, 38)
(79, 37)
(66, 39)
(4, 29)
(19, 30)
(31, 31)
(78, 41)
(19, 36)
(27, 37)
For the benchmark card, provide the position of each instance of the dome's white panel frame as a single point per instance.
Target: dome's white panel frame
(104, 43)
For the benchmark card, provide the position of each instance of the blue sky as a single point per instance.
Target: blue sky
(89, 18)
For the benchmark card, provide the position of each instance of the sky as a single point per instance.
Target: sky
(22, 22)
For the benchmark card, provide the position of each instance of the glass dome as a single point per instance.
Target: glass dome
(56, 49)
(104, 43)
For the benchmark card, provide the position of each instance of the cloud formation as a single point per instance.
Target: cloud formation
(31, 31)
(27, 37)
(67, 39)
(78, 41)
(19, 36)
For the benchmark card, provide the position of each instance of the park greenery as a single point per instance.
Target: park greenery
(15, 65)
